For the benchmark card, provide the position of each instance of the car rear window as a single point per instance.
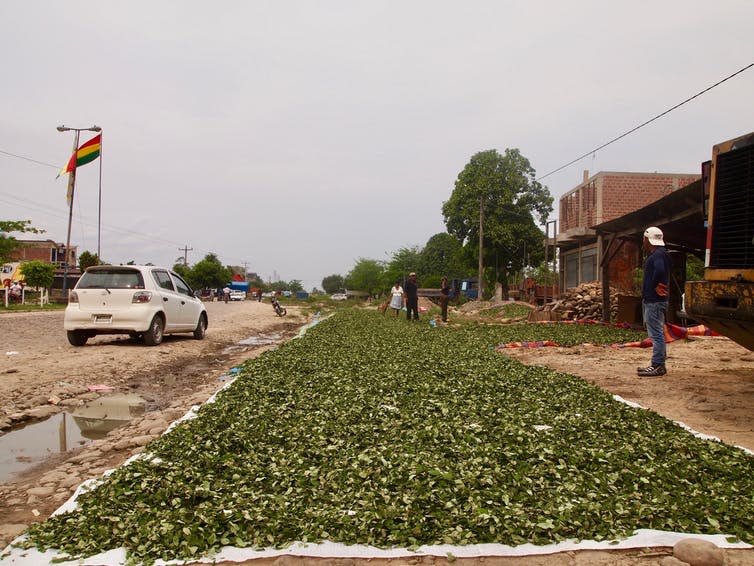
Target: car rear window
(111, 279)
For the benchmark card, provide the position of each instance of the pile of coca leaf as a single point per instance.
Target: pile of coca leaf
(379, 431)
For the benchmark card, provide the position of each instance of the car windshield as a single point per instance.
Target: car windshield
(111, 279)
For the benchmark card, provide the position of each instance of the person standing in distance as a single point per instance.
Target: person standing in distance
(444, 299)
(396, 298)
(654, 294)
(412, 297)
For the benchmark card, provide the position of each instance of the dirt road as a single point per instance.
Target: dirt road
(710, 387)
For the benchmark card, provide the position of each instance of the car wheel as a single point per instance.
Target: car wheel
(77, 337)
(153, 335)
(201, 327)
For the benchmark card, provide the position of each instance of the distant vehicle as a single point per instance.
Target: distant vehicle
(236, 295)
(339, 295)
(143, 301)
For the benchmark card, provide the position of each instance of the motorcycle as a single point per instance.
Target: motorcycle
(279, 309)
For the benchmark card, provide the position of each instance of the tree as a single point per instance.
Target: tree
(182, 269)
(442, 256)
(209, 273)
(8, 244)
(87, 259)
(295, 285)
(39, 274)
(367, 275)
(511, 200)
(403, 262)
(332, 283)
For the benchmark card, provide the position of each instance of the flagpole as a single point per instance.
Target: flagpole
(71, 188)
(99, 201)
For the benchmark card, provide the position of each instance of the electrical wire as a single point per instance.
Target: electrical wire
(632, 130)
(30, 159)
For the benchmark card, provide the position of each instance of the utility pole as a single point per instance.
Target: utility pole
(245, 270)
(185, 250)
(480, 283)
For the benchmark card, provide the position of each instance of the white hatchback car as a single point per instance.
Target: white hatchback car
(143, 301)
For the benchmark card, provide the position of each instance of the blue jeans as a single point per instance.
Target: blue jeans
(654, 320)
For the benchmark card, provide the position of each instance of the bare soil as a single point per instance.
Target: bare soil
(709, 387)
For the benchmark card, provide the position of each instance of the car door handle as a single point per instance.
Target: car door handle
(165, 299)
(183, 302)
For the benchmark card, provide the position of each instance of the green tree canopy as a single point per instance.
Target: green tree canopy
(88, 259)
(182, 270)
(367, 275)
(38, 274)
(8, 244)
(208, 273)
(515, 204)
(442, 255)
(295, 285)
(403, 262)
(332, 283)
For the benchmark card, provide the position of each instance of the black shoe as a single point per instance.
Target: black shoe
(652, 371)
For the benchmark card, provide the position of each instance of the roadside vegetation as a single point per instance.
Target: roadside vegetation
(374, 430)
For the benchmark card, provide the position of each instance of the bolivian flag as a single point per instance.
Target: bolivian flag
(84, 154)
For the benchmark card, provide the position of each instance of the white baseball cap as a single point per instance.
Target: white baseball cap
(654, 235)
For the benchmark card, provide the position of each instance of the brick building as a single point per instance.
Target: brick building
(601, 198)
(44, 250)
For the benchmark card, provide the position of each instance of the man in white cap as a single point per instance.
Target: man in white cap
(654, 294)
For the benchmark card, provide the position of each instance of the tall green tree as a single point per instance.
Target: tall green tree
(209, 273)
(332, 283)
(367, 275)
(9, 244)
(514, 205)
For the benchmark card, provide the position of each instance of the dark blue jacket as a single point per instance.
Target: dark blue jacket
(656, 270)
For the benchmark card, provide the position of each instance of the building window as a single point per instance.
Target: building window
(572, 270)
(588, 265)
(580, 266)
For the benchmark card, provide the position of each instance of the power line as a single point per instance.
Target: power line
(30, 159)
(632, 130)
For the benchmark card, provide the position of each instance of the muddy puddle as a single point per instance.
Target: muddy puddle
(258, 340)
(26, 447)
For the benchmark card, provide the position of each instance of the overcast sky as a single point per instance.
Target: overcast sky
(297, 137)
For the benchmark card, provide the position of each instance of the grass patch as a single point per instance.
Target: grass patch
(378, 431)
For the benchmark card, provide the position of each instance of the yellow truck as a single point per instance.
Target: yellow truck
(724, 301)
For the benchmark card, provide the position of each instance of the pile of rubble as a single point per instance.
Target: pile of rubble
(583, 302)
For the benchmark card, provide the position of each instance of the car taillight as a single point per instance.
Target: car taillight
(142, 297)
(73, 297)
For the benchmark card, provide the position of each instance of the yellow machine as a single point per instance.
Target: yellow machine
(724, 301)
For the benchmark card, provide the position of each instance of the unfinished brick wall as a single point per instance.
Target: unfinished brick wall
(622, 194)
(611, 195)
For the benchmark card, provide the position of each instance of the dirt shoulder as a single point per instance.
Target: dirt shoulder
(710, 387)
